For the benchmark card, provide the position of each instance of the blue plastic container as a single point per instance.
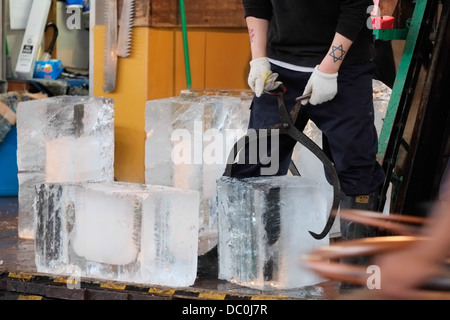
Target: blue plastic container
(9, 183)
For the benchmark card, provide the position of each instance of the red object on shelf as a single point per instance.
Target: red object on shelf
(383, 22)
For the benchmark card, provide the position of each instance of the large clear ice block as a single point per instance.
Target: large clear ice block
(62, 139)
(188, 141)
(263, 230)
(118, 231)
(75, 117)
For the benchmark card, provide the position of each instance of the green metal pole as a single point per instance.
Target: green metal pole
(402, 73)
(185, 45)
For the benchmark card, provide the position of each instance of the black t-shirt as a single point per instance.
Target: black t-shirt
(301, 31)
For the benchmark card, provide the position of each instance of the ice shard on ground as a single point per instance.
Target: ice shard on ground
(118, 231)
(62, 139)
(263, 230)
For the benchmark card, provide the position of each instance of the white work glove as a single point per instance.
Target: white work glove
(261, 78)
(322, 86)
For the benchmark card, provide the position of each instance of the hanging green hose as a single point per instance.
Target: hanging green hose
(185, 44)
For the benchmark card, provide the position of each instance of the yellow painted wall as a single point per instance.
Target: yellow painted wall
(155, 70)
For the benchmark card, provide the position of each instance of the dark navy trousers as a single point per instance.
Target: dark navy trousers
(347, 124)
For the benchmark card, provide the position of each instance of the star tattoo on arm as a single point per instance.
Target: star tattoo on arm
(337, 53)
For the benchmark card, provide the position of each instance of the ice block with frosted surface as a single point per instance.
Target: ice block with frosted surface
(118, 231)
(62, 139)
(188, 141)
(263, 230)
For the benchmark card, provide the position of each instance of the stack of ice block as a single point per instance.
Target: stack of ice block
(118, 231)
(188, 141)
(62, 139)
(263, 230)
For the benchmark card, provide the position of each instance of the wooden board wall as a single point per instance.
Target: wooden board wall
(204, 13)
(387, 7)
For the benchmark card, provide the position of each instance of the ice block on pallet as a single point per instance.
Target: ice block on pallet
(263, 230)
(118, 231)
(62, 139)
(188, 141)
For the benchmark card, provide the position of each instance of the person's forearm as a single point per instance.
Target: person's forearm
(438, 226)
(336, 54)
(257, 30)
(437, 229)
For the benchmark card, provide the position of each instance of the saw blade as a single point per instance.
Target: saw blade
(126, 28)
(110, 67)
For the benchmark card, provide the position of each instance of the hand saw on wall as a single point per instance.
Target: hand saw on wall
(117, 43)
